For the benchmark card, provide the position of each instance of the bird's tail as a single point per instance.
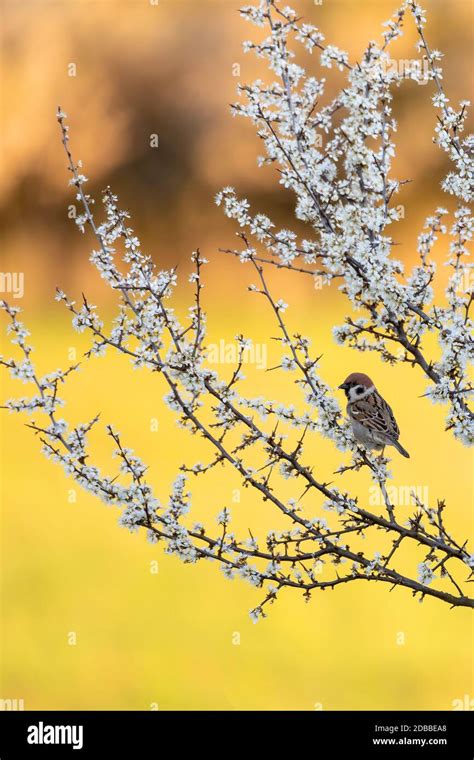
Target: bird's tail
(400, 448)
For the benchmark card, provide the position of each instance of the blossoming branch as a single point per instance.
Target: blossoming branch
(343, 192)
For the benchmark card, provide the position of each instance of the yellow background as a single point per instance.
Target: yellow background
(167, 639)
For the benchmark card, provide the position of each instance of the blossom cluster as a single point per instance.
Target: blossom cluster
(335, 157)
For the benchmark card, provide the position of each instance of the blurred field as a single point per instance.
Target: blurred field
(167, 638)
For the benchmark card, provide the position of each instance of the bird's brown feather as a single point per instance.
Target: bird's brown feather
(374, 413)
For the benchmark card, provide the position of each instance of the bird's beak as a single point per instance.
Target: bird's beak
(343, 386)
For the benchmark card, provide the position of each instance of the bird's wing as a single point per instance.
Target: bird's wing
(374, 412)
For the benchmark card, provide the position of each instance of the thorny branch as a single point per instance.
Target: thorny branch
(344, 193)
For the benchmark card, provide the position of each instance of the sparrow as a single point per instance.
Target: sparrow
(372, 420)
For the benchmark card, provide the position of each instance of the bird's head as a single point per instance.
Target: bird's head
(357, 386)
